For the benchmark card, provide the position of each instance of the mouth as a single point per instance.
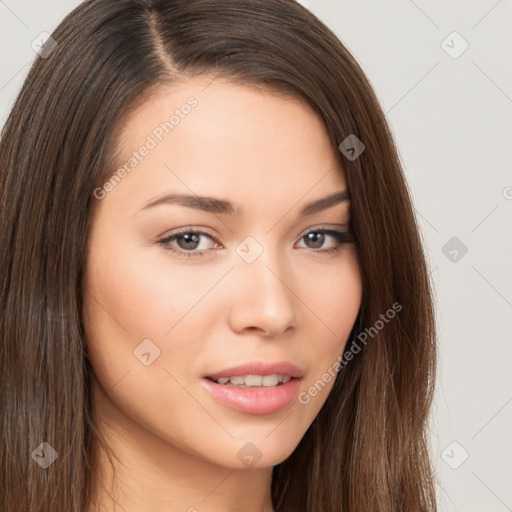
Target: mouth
(255, 388)
(253, 381)
(255, 372)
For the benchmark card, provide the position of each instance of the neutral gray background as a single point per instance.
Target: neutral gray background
(452, 121)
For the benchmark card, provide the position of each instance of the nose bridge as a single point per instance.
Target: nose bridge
(265, 299)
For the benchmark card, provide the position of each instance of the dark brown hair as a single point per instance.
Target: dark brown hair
(367, 450)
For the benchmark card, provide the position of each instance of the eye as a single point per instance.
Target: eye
(317, 237)
(188, 241)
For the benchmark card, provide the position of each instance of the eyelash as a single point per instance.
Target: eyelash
(342, 237)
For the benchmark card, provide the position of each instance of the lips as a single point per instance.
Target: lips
(255, 399)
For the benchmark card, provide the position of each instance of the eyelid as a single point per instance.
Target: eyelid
(187, 229)
(326, 227)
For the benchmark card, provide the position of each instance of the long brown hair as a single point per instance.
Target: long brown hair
(367, 450)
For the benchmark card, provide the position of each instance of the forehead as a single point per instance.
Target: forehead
(225, 139)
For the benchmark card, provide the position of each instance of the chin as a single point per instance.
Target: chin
(256, 451)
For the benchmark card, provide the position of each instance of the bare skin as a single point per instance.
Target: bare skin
(177, 447)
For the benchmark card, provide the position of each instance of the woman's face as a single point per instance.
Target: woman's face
(180, 291)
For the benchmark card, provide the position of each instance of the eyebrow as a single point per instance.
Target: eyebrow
(215, 205)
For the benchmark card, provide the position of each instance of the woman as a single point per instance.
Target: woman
(214, 293)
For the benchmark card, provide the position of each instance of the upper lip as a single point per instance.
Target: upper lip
(259, 368)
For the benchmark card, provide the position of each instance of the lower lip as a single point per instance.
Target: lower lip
(258, 400)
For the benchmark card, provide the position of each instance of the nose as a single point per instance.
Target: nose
(262, 299)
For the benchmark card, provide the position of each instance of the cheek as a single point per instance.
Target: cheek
(334, 295)
(336, 300)
(144, 290)
(135, 294)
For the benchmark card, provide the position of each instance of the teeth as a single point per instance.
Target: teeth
(248, 381)
(270, 380)
(251, 380)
